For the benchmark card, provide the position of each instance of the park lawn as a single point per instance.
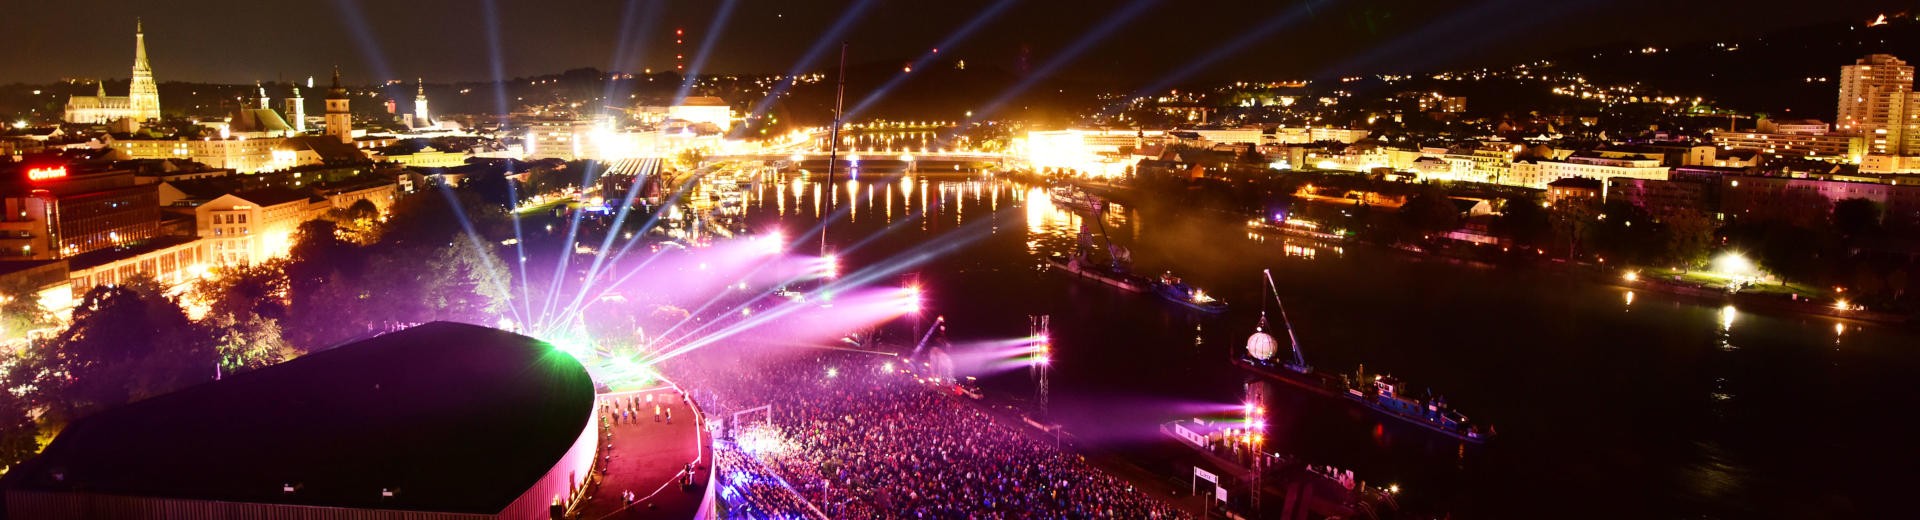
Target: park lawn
(1718, 281)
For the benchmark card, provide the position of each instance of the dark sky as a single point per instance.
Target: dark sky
(447, 40)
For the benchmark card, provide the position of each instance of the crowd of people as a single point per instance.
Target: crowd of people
(752, 489)
(860, 436)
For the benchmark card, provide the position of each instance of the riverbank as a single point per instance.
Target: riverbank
(1772, 302)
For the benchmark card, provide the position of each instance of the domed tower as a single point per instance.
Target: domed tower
(339, 116)
(297, 111)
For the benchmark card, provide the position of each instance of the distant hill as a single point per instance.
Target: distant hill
(1779, 73)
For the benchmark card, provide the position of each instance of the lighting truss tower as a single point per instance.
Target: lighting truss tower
(1041, 334)
(1256, 422)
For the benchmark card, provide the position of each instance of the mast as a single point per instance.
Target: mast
(1299, 358)
(1096, 212)
(833, 142)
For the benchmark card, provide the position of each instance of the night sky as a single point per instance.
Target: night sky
(447, 40)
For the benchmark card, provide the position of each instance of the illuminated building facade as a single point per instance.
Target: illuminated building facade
(703, 109)
(297, 112)
(420, 116)
(1541, 174)
(339, 116)
(251, 226)
(1877, 103)
(142, 102)
(238, 154)
(1822, 146)
(56, 210)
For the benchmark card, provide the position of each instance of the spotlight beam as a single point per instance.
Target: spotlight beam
(959, 238)
(1067, 55)
(566, 248)
(519, 250)
(1428, 45)
(479, 246)
(600, 254)
(951, 40)
(363, 38)
(637, 238)
(655, 219)
(498, 66)
(625, 45)
(714, 29)
(814, 53)
(1281, 20)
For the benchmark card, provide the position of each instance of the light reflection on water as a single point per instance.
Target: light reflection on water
(1679, 392)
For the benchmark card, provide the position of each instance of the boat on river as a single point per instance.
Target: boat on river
(1075, 199)
(1107, 274)
(1383, 394)
(1173, 289)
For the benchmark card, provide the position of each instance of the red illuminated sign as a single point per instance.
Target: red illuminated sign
(41, 174)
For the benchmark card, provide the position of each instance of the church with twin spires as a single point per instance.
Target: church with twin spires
(141, 104)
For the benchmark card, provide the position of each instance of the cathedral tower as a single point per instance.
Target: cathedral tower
(142, 95)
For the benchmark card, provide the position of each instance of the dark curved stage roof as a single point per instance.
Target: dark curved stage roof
(451, 417)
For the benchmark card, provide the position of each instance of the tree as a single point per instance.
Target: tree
(256, 289)
(1626, 233)
(19, 434)
(328, 309)
(1525, 222)
(691, 158)
(248, 341)
(357, 222)
(435, 218)
(1689, 238)
(1856, 217)
(20, 311)
(1430, 212)
(127, 342)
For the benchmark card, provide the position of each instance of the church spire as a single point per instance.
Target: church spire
(423, 86)
(140, 47)
(337, 92)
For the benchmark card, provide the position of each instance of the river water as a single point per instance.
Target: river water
(1607, 402)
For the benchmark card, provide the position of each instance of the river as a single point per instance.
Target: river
(1607, 403)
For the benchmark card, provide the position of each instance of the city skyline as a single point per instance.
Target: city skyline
(1141, 259)
(418, 39)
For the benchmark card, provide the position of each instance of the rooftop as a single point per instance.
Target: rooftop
(450, 417)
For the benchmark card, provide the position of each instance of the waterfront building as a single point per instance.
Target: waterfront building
(1574, 189)
(1662, 199)
(1809, 200)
